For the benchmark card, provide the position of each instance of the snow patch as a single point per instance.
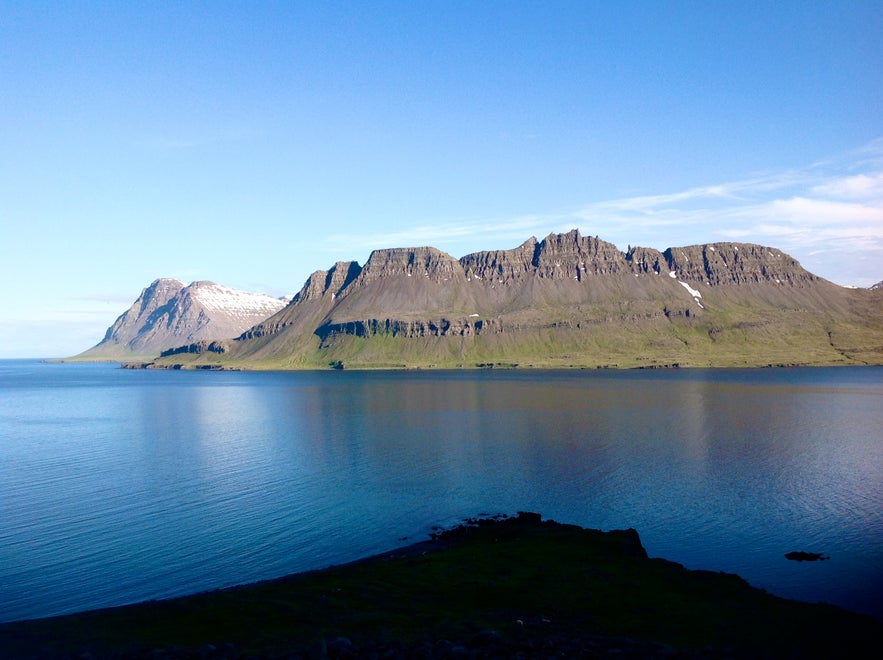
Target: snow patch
(673, 274)
(216, 297)
(693, 292)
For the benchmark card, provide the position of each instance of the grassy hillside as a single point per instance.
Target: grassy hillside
(726, 333)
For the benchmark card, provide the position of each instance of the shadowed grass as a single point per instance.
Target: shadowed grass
(530, 581)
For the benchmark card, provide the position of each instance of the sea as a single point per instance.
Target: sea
(119, 486)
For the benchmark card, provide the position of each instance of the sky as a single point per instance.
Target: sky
(253, 143)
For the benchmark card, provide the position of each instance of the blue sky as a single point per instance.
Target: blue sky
(253, 143)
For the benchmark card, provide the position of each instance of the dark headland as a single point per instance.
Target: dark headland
(493, 587)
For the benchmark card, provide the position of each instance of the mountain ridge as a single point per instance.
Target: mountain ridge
(564, 301)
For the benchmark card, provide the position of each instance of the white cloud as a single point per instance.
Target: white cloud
(830, 222)
(861, 186)
(732, 191)
(805, 210)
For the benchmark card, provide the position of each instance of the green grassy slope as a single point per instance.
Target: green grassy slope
(730, 330)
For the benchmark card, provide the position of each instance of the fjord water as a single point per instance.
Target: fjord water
(118, 486)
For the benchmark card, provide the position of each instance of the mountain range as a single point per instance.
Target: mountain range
(564, 301)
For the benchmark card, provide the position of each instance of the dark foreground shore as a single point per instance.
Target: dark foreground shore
(491, 588)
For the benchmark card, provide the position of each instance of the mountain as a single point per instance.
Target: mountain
(168, 314)
(565, 301)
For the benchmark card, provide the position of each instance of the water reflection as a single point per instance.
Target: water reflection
(156, 484)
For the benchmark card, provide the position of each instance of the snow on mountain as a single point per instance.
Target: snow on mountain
(236, 303)
(168, 314)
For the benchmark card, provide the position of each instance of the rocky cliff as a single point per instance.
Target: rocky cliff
(168, 314)
(565, 300)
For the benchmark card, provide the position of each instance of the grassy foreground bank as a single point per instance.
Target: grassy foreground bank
(506, 587)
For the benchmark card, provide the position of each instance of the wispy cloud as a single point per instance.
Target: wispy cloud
(861, 186)
(829, 215)
(187, 141)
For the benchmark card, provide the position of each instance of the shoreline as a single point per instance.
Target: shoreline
(497, 586)
(183, 366)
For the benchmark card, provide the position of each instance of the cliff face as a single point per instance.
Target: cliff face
(425, 262)
(567, 300)
(645, 261)
(168, 314)
(736, 263)
(501, 265)
(571, 256)
(328, 282)
(558, 256)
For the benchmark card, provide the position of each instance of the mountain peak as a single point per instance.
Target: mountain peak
(169, 314)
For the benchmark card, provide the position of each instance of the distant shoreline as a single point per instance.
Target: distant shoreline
(180, 366)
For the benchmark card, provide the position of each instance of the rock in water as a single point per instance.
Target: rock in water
(806, 556)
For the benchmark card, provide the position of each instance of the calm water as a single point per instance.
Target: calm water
(118, 486)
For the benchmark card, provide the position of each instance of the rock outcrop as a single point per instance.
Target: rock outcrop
(328, 282)
(571, 256)
(645, 261)
(501, 265)
(425, 262)
(736, 263)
